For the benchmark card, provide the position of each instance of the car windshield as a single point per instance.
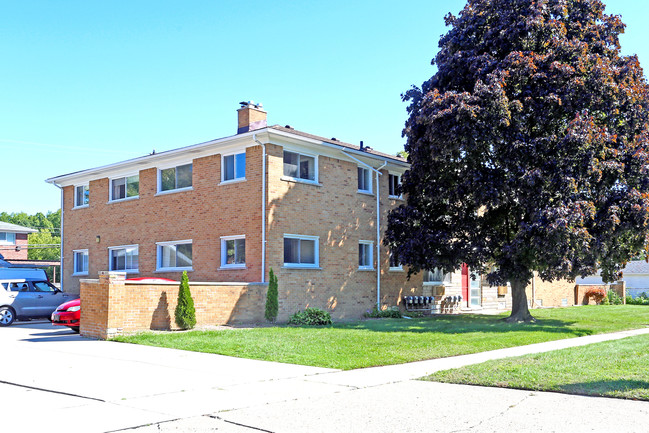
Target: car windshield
(43, 286)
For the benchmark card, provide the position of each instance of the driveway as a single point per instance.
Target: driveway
(52, 378)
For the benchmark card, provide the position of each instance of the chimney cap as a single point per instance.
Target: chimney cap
(251, 104)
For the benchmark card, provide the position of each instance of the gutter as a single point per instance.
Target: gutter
(263, 209)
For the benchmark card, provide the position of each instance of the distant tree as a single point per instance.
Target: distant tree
(185, 313)
(272, 302)
(402, 154)
(528, 148)
(44, 245)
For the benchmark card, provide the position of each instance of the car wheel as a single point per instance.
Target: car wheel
(7, 316)
(75, 329)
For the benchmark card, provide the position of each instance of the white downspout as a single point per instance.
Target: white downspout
(61, 244)
(263, 209)
(378, 238)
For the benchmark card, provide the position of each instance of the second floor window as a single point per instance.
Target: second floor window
(176, 177)
(81, 195)
(234, 166)
(7, 238)
(364, 180)
(394, 182)
(299, 166)
(125, 187)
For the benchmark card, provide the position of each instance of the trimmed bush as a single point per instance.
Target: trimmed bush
(642, 299)
(310, 317)
(390, 312)
(272, 302)
(614, 298)
(596, 295)
(185, 311)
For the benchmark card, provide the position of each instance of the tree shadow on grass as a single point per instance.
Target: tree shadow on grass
(620, 388)
(462, 324)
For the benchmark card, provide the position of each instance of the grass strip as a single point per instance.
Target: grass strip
(611, 369)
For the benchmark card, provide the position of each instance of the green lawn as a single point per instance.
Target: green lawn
(612, 369)
(393, 341)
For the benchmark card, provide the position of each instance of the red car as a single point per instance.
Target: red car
(68, 314)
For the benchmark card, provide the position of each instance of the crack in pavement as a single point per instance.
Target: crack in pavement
(511, 406)
(51, 391)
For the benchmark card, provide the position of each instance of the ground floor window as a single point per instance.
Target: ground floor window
(80, 262)
(175, 255)
(301, 251)
(233, 251)
(124, 258)
(365, 255)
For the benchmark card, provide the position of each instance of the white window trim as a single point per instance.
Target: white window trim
(440, 283)
(369, 267)
(369, 176)
(316, 174)
(158, 259)
(81, 206)
(74, 262)
(236, 179)
(175, 190)
(394, 268)
(396, 197)
(316, 248)
(5, 242)
(225, 265)
(121, 247)
(110, 188)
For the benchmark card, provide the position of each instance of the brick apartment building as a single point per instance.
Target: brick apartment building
(227, 210)
(13, 241)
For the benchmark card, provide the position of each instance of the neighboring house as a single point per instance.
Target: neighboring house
(635, 276)
(227, 210)
(13, 241)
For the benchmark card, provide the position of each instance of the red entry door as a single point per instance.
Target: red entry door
(465, 284)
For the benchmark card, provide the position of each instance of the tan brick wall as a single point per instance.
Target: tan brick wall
(203, 214)
(117, 307)
(560, 293)
(340, 216)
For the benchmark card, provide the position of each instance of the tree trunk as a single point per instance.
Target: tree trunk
(520, 310)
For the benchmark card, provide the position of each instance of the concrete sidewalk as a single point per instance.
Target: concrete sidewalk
(105, 386)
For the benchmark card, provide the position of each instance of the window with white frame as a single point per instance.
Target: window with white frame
(233, 167)
(80, 262)
(7, 238)
(364, 180)
(395, 265)
(174, 178)
(436, 276)
(365, 255)
(123, 258)
(299, 166)
(81, 195)
(125, 187)
(174, 255)
(394, 180)
(233, 251)
(301, 251)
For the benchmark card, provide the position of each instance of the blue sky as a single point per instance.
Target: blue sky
(87, 83)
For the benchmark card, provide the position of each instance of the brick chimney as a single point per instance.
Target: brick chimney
(251, 117)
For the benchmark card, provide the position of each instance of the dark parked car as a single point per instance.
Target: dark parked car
(23, 299)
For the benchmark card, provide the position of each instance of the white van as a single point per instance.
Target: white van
(29, 274)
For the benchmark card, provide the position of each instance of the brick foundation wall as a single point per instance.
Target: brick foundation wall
(111, 306)
(559, 293)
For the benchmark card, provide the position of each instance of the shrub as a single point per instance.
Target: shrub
(642, 299)
(596, 295)
(375, 313)
(614, 298)
(272, 302)
(185, 312)
(310, 317)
